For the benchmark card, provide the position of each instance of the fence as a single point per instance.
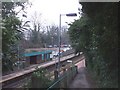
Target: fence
(64, 80)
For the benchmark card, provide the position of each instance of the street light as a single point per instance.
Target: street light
(68, 15)
(71, 14)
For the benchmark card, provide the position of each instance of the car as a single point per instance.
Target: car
(55, 45)
(60, 54)
(49, 46)
(54, 53)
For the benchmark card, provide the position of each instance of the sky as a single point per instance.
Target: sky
(48, 11)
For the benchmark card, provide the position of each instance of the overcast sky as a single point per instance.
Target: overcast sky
(51, 9)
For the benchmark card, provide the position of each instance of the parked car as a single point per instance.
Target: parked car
(49, 46)
(55, 54)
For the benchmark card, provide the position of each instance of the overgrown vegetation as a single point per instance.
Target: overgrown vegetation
(95, 34)
(39, 79)
(11, 33)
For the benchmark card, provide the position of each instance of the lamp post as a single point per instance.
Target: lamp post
(68, 15)
(18, 57)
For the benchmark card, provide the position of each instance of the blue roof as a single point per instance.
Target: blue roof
(37, 53)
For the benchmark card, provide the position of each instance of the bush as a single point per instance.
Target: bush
(39, 79)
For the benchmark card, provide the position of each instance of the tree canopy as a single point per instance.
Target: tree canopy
(11, 29)
(95, 34)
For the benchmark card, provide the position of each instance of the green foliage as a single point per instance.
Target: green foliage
(39, 79)
(8, 8)
(95, 33)
(11, 28)
(78, 32)
(9, 38)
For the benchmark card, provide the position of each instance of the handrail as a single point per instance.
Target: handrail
(56, 82)
(67, 73)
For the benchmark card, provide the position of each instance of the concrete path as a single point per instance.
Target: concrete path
(82, 79)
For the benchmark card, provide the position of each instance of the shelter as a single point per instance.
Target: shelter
(38, 57)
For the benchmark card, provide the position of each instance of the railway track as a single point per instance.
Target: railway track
(20, 80)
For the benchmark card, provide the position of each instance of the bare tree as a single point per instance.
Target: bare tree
(36, 31)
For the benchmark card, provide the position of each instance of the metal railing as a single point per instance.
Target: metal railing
(64, 80)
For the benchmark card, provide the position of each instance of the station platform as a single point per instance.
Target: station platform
(33, 68)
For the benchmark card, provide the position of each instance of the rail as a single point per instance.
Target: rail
(7, 79)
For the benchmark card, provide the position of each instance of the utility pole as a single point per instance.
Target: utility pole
(18, 58)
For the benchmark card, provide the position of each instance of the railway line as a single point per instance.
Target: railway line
(16, 80)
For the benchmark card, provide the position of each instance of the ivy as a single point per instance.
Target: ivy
(95, 34)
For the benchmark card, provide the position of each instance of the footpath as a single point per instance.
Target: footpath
(82, 79)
